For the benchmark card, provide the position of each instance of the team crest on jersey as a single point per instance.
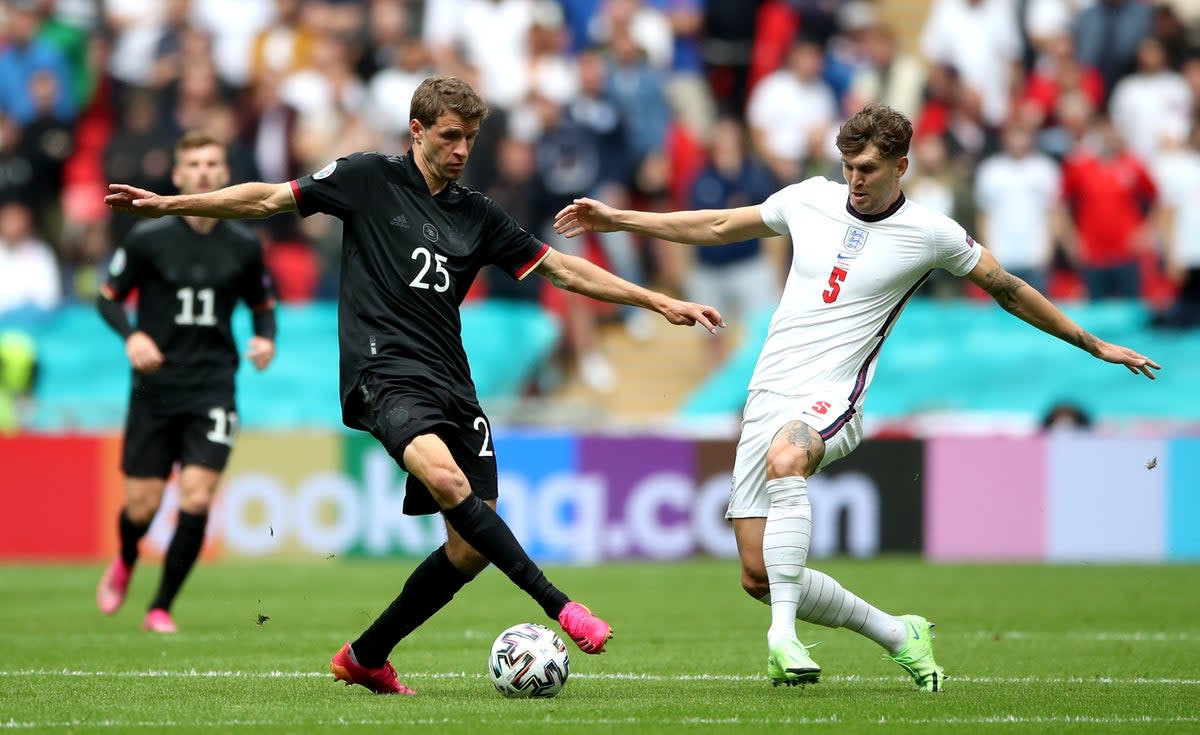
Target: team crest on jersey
(329, 167)
(430, 232)
(855, 241)
(117, 266)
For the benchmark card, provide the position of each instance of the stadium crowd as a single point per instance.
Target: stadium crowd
(1063, 133)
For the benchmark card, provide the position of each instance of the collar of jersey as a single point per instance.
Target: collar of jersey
(879, 215)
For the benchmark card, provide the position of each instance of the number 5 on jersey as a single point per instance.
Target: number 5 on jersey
(836, 276)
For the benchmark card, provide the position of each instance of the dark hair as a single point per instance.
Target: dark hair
(887, 128)
(440, 94)
(197, 139)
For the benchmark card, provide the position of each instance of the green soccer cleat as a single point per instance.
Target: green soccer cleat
(789, 664)
(916, 657)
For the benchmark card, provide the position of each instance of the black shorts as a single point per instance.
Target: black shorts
(157, 436)
(397, 410)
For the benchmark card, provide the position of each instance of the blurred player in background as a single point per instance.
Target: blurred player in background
(413, 242)
(189, 273)
(860, 251)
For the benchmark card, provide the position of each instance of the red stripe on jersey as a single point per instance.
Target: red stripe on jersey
(295, 184)
(108, 292)
(525, 269)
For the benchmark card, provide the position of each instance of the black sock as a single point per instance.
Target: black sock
(431, 585)
(486, 531)
(181, 555)
(130, 534)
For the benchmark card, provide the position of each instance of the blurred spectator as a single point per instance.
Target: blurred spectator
(85, 256)
(24, 58)
(488, 36)
(728, 48)
(739, 279)
(1112, 204)
(67, 28)
(979, 38)
(515, 189)
(637, 89)
(179, 45)
(327, 84)
(1056, 72)
(139, 153)
(284, 46)
(938, 183)
(1066, 416)
(1072, 117)
(1178, 172)
(953, 112)
(792, 112)
(648, 26)
(389, 24)
(46, 142)
(1016, 197)
(390, 90)
(889, 74)
(233, 26)
(1179, 41)
(136, 26)
(28, 270)
(1152, 105)
(1107, 35)
(17, 174)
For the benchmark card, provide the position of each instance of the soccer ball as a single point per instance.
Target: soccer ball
(527, 661)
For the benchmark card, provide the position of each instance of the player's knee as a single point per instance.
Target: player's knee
(448, 485)
(755, 582)
(788, 461)
(141, 510)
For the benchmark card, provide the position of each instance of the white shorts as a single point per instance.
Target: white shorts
(828, 412)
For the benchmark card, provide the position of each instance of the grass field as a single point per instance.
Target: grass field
(1029, 649)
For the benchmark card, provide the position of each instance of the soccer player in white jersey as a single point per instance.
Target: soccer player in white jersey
(860, 251)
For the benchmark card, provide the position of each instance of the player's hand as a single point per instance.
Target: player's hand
(1127, 357)
(143, 353)
(142, 202)
(585, 215)
(261, 352)
(685, 313)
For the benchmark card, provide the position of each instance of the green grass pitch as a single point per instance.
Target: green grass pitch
(1029, 649)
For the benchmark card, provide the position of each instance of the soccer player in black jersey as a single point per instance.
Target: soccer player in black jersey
(189, 273)
(413, 241)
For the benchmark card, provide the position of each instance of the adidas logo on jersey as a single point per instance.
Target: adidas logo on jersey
(399, 221)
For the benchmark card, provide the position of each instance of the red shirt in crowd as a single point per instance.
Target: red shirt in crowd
(1108, 198)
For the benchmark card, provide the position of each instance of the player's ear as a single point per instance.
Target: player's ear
(414, 129)
(901, 165)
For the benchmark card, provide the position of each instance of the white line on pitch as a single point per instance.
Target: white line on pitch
(609, 676)
(13, 724)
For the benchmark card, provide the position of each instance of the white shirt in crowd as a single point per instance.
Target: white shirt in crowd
(1019, 196)
(28, 276)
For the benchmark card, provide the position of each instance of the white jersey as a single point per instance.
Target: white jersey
(850, 277)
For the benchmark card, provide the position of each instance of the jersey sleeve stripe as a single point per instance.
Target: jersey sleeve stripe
(295, 186)
(108, 292)
(537, 259)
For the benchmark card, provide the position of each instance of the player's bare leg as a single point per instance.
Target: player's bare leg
(197, 488)
(143, 496)
(429, 459)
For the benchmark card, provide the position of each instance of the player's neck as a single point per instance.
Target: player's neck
(201, 225)
(434, 183)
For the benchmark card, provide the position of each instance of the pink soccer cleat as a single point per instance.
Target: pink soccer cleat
(110, 593)
(159, 621)
(381, 680)
(589, 632)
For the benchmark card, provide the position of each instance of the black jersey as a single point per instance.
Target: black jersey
(408, 259)
(188, 284)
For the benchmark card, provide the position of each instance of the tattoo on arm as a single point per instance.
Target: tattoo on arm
(1084, 341)
(1002, 286)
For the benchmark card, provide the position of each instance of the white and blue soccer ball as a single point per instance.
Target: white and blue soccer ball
(528, 661)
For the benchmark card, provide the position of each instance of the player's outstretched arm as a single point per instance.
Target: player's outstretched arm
(252, 200)
(578, 275)
(1024, 301)
(696, 227)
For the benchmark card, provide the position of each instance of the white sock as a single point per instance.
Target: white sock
(818, 592)
(785, 550)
